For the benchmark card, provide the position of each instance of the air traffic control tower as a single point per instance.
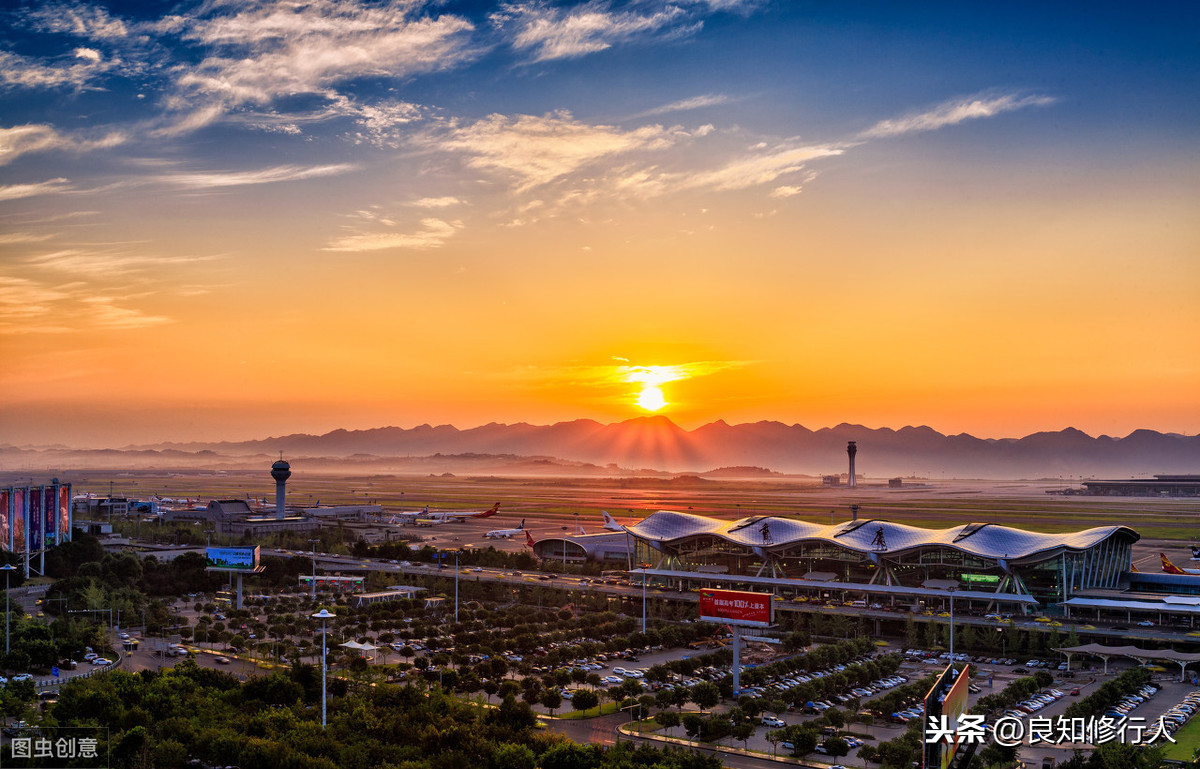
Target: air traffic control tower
(852, 449)
(280, 471)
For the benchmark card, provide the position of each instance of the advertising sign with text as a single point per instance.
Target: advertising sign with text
(736, 607)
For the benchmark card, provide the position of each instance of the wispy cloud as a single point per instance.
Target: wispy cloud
(683, 105)
(34, 307)
(16, 191)
(95, 262)
(559, 33)
(433, 234)
(15, 238)
(24, 139)
(954, 112)
(274, 48)
(538, 150)
(207, 180)
(443, 202)
(76, 19)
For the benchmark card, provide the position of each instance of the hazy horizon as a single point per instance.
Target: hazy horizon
(252, 218)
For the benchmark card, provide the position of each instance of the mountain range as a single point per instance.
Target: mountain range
(656, 443)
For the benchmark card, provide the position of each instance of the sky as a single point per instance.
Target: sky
(235, 219)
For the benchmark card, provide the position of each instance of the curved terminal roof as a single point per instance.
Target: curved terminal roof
(986, 540)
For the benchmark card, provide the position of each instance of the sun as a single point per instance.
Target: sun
(651, 398)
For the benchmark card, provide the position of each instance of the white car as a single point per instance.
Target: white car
(22, 677)
(101, 661)
(773, 721)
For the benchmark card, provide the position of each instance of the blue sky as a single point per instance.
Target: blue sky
(922, 213)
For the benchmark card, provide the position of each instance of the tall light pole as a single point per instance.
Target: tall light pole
(952, 660)
(644, 567)
(456, 570)
(7, 568)
(314, 542)
(323, 615)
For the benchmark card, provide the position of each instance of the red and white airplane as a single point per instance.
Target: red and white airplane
(426, 518)
(1171, 568)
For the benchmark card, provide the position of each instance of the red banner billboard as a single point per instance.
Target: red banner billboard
(736, 607)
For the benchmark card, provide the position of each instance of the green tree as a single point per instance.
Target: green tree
(584, 699)
(551, 700)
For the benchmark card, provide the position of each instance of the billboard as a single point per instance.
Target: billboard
(18, 521)
(49, 514)
(37, 519)
(946, 698)
(64, 513)
(232, 558)
(736, 607)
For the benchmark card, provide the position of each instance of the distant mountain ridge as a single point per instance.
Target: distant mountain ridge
(657, 443)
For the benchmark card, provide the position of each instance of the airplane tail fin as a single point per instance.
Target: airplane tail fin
(610, 522)
(522, 526)
(1169, 567)
(1133, 567)
(1195, 553)
(528, 540)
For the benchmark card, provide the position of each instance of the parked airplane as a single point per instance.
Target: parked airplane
(426, 518)
(1171, 568)
(505, 533)
(610, 523)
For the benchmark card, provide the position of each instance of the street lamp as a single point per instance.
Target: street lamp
(951, 592)
(314, 542)
(456, 571)
(7, 568)
(323, 615)
(644, 567)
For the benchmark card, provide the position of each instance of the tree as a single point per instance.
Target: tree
(551, 700)
(705, 694)
(584, 699)
(668, 719)
(836, 747)
(743, 732)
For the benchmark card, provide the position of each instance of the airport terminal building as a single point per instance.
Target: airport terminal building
(987, 566)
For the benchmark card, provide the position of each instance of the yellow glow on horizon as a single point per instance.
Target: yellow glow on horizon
(651, 398)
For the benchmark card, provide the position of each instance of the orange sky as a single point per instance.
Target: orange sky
(477, 228)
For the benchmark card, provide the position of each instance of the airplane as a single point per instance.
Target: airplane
(426, 518)
(1171, 568)
(610, 523)
(505, 533)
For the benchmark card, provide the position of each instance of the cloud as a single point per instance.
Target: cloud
(562, 33)
(954, 112)
(21, 140)
(17, 191)
(262, 176)
(268, 50)
(683, 105)
(434, 234)
(785, 191)
(18, 71)
(538, 150)
(442, 202)
(29, 307)
(96, 263)
(14, 238)
(76, 19)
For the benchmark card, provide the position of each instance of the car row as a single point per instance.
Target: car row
(1175, 717)
(1035, 703)
(1130, 702)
